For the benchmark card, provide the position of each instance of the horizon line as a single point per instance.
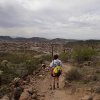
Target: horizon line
(46, 37)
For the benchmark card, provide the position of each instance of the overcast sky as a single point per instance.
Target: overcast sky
(70, 19)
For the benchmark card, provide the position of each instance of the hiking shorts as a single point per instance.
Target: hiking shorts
(56, 74)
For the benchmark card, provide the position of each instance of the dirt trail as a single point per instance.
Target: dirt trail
(59, 94)
(43, 85)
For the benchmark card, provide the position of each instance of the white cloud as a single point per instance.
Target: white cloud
(86, 18)
(50, 18)
(34, 4)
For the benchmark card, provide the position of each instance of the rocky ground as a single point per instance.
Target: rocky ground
(39, 88)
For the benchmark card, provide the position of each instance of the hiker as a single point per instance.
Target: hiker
(17, 90)
(56, 70)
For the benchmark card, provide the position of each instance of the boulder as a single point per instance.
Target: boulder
(87, 97)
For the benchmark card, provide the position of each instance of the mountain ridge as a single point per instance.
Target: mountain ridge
(40, 39)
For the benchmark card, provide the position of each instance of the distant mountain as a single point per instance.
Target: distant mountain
(5, 38)
(33, 39)
(39, 39)
(20, 39)
(63, 40)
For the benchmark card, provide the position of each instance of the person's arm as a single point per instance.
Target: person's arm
(51, 64)
(61, 64)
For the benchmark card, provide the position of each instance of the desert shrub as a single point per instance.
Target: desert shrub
(6, 79)
(47, 57)
(8, 74)
(83, 54)
(73, 75)
(14, 58)
(21, 69)
(4, 63)
(22, 63)
(16, 65)
(4, 90)
(64, 56)
(32, 65)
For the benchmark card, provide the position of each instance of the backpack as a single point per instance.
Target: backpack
(57, 69)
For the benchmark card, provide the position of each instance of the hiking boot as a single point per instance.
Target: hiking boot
(57, 85)
(54, 87)
(50, 87)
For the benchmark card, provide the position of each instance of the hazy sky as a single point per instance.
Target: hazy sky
(71, 19)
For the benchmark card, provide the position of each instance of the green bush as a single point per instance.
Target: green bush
(4, 90)
(32, 65)
(64, 56)
(22, 63)
(47, 57)
(73, 75)
(13, 58)
(83, 54)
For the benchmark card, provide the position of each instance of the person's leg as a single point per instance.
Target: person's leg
(16, 98)
(51, 81)
(54, 82)
(58, 75)
(57, 78)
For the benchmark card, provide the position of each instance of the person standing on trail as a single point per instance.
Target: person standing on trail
(56, 70)
(17, 91)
